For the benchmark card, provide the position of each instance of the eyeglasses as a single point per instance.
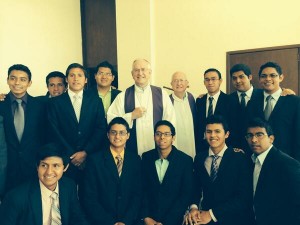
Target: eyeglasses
(160, 134)
(102, 74)
(178, 81)
(264, 76)
(214, 79)
(258, 135)
(115, 133)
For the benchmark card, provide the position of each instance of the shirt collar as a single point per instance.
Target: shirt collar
(248, 93)
(262, 156)
(46, 192)
(140, 89)
(72, 94)
(179, 99)
(13, 97)
(221, 153)
(275, 95)
(216, 96)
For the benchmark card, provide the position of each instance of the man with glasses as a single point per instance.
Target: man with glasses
(184, 105)
(167, 179)
(215, 102)
(112, 185)
(276, 178)
(282, 112)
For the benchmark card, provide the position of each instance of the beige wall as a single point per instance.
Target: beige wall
(194, 35)
(45, 35)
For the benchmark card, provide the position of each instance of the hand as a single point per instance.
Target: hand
(138, 112)
(119, 223)
(205, 217)
(150, 221)
(78, 158)
(287, 91)
(238, 150)
(201, 95)
(191, 217)
(2, 97)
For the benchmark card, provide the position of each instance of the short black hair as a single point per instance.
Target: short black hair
(258, 122)
(219, 120)
(118, 120)
(56, 74)
(213, 70)
(49, 150)
(106, 64)
(20, 67)
(76, 65)
(274, 65)
(240, 67)
(165, 123)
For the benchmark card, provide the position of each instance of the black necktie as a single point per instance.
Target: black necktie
(210, 107)
(243, 100)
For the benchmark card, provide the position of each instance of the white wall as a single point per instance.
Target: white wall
(43, 35)
(194, 35)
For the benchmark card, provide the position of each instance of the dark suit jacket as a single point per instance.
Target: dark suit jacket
(108, 198)
(166, 202)
(277, 195)
(3, 158)
(221, 109)
(114, 92)
(87, 134)
(230, 195)
(285, 122)
(23, 205)
(21, 163)
(239, 118)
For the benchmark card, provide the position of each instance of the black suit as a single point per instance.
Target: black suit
(23, 205)
(221, 109)
(21, 155)
(166, 202)
(230, 195)
(277, 195)
(108, 198)
(87, 134)
(285, 122)
(3, 158)
(239, 118)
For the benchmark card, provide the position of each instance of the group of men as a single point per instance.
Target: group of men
(114, 185)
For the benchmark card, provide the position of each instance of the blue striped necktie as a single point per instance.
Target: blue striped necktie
(214, 168)
(55, 211)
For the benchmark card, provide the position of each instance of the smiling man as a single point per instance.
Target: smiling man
(142, 105)
(276, 178)
(50, 199)
(281, 112)
(24, 126)
(222, 178)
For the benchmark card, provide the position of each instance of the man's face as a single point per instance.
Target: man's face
(18, 82)
(179, 83)
(215, 136)
(76, 80)
(56, 86)
(50, 170)
(104, 77)
(261, 143)
(212, 82)
(118, 136)
(163, 137)
(270, 80)
(141, 73)
(241, 81)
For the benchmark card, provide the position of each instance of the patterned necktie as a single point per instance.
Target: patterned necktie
(19, 120)
(214, 168)
(119, 164)
(268, 108)
(256, 173)
(77, 106)
(210, 107)
(243, 100)
(55, 212)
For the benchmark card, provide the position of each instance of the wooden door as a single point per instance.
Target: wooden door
(286, 56)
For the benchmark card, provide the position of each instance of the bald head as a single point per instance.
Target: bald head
(179, 83)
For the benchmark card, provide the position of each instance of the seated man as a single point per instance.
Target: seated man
(112, 185)
(167, 179)
(48, 199)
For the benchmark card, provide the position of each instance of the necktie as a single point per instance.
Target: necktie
(77, 106)
(214, 168)
(243, 100)
(210, 107)
(119, 164)
(19, 120)
(268, 108)
(55, 212)
(256, 173)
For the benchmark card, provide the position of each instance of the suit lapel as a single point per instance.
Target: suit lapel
(279, 106)
(84, 106)
(63, 202)
(110, 164)
(10, 119)
(67, 105)
(36, 202)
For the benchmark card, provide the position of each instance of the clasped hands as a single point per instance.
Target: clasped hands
(196, 217)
